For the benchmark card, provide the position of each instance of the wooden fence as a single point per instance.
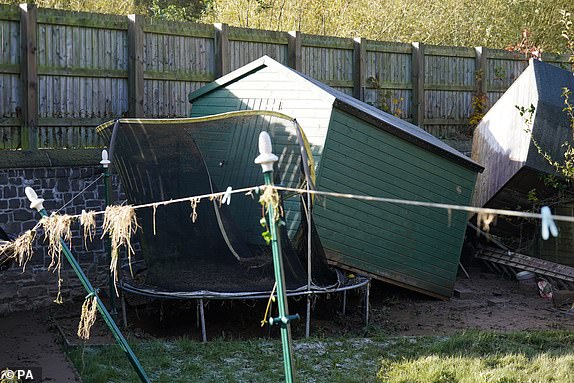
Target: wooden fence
(63, 73)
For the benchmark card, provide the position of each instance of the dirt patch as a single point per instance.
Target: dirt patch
(29, 341)
(485, 302)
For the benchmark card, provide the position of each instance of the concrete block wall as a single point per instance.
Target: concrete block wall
(59, 186)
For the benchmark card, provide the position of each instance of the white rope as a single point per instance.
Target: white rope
(470, 209)
(249, 190)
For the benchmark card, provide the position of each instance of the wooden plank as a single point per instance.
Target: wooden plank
(390, 85)
(71, 121)
(449, 87)
(222, 66)
(10, 68)
(388, 47)
(29, 75)
(175, 28)
(294, 50)
(257, 35)
(446, 121)
(81, 19)
(448, 51)
(418, 81)
(178, 76)
(9, 12)
(326, 42)
(359, 68)
(135, 66)
(82, 72)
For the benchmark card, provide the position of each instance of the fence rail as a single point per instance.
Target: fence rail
(62, 73)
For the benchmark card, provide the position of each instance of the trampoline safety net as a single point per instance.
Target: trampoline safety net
(222, 251)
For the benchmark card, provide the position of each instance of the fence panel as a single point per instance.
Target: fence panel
(82, 76)
(247, 45)
(10, 83)
(329, 60)
(178, 58)
(83, 61)
(389, 78)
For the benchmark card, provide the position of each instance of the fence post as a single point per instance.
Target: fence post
(359, 67)
(294, 50)
(29, 75)
(418, 80)
(222, 66)
(481, 77)
(135, 66)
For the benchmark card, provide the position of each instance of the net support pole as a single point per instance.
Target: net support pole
(266, 159)
(37, 203)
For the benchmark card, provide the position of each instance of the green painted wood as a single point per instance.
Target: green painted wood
(410, 245)
(435, 163)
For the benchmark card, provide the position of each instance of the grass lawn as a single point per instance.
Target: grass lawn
(468, 357)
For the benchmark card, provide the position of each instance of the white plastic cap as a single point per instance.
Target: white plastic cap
(105, 161)
(35, 202)
(266, 158)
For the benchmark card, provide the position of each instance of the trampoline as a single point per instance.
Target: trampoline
(214, 250)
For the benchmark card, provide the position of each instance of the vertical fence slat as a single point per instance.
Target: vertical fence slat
(135, 66)
(359, 68)
(29, 75)
(222, 63)
(418, 81)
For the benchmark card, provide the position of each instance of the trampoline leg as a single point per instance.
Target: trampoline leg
(367, 301)
(202, 315)
(308, 318)
(344, 309)
(124, 311)
(197, 316)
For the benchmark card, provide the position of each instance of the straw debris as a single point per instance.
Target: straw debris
(194, 202)
(57, 229)
(88, 222)
(88, 316)
(120, 222)
(20, 249)
(270, 197)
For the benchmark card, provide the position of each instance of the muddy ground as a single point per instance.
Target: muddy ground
(486, 301)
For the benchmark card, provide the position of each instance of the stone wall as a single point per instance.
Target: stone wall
(60, 186)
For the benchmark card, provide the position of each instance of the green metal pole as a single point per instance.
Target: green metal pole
(266, 159)
(107, 199)
(284, 317)
(37, 204)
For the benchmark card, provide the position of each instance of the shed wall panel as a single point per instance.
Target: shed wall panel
(418, 246)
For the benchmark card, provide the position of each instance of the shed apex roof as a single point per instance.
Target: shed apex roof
(357, 108)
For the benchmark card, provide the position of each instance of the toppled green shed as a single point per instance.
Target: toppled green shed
(358, 149)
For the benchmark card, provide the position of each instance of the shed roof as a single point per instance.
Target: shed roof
(357, 108)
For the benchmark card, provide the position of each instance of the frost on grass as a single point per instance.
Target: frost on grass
(120, 222)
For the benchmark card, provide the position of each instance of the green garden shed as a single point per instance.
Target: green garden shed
(358, 149)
